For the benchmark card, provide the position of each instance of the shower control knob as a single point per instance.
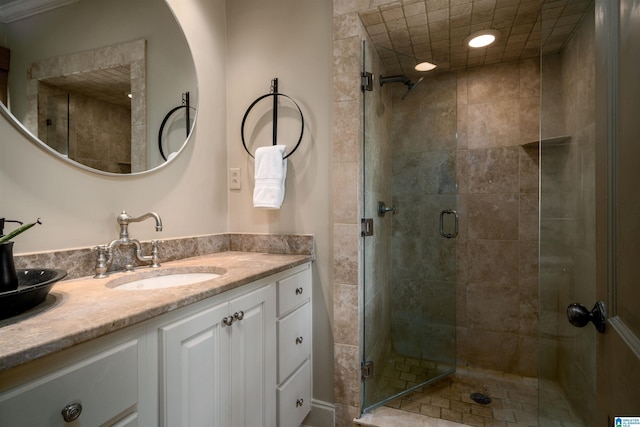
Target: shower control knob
(383, 209)
(579, 316)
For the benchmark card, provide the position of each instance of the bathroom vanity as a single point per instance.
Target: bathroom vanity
(231, 351)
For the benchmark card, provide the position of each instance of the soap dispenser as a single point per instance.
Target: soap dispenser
(8, 277)
(2, 221)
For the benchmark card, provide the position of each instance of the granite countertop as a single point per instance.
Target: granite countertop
(82, 309)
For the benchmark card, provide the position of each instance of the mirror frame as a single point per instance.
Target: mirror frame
(28, 134)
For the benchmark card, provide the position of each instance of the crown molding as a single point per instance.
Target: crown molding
(20, 9)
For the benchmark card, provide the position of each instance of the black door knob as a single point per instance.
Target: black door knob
(579, 315)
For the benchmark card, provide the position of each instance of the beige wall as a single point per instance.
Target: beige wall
(290, 40)
(287, 39)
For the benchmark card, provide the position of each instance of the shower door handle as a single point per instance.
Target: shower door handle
(455, 229)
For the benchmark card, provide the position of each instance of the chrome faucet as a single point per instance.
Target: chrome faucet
(105, 252)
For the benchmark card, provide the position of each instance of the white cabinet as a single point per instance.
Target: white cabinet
(217, 365)
(294, 347)
(240, 358)
(99, 389)
(253, 359)
(194, 370)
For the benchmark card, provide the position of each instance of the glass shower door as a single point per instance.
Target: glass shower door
(409, 195)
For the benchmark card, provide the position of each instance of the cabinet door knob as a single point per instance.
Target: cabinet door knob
(299, 291)
(228, 320)
(299, 402)
(298, 340)
(239, 315)
(71, 412)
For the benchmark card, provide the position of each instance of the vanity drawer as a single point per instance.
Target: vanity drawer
(294, 397)
(294, 341)
(294, 290)
(106, 385)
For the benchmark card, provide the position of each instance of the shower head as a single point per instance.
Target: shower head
(400, 79)
(395, 79)
(412, 86)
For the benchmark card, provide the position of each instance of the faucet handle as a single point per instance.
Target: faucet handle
(101, 263)
(155, 259)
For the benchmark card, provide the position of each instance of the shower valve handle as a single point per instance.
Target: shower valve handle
(383, 209)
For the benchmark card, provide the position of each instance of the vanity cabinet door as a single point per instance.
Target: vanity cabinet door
(194, 370)
(253, 359)
(217, 365)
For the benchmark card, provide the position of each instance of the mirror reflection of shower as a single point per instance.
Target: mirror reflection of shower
(401, 79)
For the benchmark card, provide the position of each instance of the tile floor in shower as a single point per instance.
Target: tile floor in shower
(448, 402)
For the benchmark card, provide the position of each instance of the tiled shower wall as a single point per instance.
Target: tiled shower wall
(567, 234)
(105, 144)
(498, 118)
(90, 131)
(347, 142)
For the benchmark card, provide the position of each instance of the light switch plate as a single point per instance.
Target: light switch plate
(234, 179)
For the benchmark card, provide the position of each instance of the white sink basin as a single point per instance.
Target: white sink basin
(161, 279)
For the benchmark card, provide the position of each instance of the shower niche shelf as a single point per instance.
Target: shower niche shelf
(550, 141)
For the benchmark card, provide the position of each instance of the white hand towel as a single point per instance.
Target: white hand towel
(270, 175)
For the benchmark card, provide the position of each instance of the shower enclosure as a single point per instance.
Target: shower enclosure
(409, 229)
(541, 164)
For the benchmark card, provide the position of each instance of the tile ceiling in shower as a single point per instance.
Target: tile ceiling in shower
(409, 31)
(111, 85)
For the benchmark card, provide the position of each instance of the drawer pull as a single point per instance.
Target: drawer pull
(239, 315)
(228, 320)
(299, 402)
(71, 412)
(298, 340)
(299, 291)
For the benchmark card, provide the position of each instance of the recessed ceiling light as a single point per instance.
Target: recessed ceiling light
(482, 38)
(425, 66)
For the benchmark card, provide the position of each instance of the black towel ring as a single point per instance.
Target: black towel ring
(169, 114)
(275, 95)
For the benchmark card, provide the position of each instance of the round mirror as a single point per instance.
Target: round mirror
(110, 86)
